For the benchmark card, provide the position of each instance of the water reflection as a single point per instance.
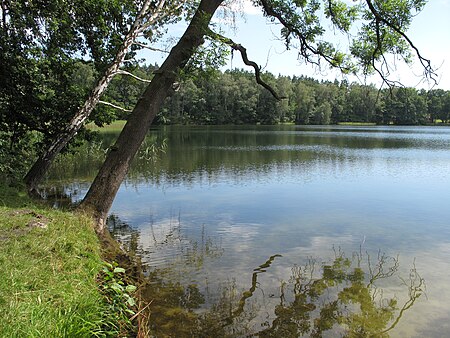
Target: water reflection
(222, 200)
(165, 243)
(193, 154)
(346, 295)
(344, 299)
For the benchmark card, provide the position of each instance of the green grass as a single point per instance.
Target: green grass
(48, 276)
(114, 126)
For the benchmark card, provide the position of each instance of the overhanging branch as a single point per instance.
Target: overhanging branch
(426, 63)
(306, 49)
(241, 49)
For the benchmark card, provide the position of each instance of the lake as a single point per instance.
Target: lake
(286, 231)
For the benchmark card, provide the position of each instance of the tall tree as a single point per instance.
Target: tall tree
(382, 31)
(149, 14)
(104, 188)
(304, 98)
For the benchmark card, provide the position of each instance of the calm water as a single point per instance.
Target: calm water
(288, 231)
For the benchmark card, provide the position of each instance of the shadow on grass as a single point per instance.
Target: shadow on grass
(14, 197)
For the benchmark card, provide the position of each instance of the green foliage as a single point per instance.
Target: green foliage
(45, 79)
(118, 293)
(233, 97)
(405, 106)
(15, 157)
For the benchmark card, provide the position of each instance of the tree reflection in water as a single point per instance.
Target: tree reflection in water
(345, 299)
(341, 298)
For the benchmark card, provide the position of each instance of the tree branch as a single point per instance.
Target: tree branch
(416, 286)
(426, 63)
(305, 47)
(114, 106)
(143, 45)
(160, 13)
(124, 72)
(243, 51)
(306, 50)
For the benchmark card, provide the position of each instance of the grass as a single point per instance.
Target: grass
(50, 262)
(114, 126)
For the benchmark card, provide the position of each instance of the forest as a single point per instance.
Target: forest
(232, 97)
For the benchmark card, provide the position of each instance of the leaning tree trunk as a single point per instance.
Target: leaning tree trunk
(43, 163)
(41, 166)
(113, 171)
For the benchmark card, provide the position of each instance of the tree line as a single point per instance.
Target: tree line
(231, 97)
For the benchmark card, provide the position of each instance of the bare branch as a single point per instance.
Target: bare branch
(124, 72)
(380, 272)
(143, 45)
(248, 62)
(114, 106)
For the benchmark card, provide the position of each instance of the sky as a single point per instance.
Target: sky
(430, 32)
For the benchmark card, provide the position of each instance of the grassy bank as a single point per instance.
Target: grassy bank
(50, 284)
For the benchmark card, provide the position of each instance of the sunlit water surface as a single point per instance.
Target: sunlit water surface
(240, 228)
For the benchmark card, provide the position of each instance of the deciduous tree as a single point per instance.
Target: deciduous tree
(149, 15)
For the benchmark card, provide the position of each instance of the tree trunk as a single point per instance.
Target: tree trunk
(43, 163)
(103, 190)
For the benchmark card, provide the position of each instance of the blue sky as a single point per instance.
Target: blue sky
(430, 32)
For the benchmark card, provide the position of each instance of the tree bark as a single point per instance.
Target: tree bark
(43, 163)
(103, 190)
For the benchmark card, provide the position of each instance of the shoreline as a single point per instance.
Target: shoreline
(59, 278)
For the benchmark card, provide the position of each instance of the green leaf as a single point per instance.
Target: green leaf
(131, 302)
(130, 288)
(119, 270)
(117, 287)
